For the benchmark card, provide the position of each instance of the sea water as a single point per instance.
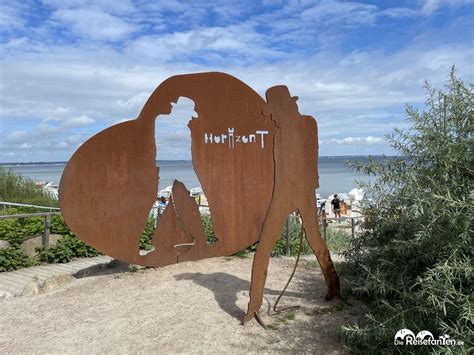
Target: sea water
(334, 174)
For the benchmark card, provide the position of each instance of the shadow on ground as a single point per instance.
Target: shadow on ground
(226, 287)
(110, 268)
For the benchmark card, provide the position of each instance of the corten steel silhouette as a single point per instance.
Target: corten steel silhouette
(296, 178)
(110, 184)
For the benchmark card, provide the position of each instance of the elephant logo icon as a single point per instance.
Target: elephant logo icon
(424, 334)
(403, 335)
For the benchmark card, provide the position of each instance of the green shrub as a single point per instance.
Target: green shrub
(295, 230)
(149, 230)
(15, 230)
(147, 235)
(58, 226)
(14, 258)
(208, 231)
(412, 262)
(338, 240)
(68, 247)
(59, 253)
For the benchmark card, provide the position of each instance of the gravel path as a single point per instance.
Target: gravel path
(192, 307)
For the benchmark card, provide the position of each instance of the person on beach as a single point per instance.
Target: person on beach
(162, 202)
(162, 205)
(322, 208)
(336, 206)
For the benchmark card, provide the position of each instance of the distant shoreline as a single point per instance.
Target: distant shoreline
(186, 160)
(335, 176)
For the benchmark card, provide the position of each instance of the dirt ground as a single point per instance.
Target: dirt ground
(193, 307)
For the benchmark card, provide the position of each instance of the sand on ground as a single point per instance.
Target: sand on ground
(191, 307)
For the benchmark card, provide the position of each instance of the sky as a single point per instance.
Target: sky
(70, 68)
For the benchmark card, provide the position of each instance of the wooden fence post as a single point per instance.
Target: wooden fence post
(325, 224)
(47, 226)
(287, 231)
(352, 228)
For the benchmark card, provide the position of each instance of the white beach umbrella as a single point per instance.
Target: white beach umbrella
(356, 194)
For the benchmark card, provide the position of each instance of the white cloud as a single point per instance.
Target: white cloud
(94, 23)
(354, 140)
(135, 102)
(50, 89)
(76, 122)
(111, 6)
(342, 12)
(363, 94)
(431, 6)
(12, 15)
(399, 12)
(229, 41)
(17, 137)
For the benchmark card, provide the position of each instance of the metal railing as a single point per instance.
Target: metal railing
(46, 215)
(5, 204)
(323, 221)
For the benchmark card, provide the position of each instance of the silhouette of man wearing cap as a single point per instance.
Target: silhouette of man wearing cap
(296, 178)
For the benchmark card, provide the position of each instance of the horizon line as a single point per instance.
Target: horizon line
(190, 160)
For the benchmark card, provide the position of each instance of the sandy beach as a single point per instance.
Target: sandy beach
(193, 307)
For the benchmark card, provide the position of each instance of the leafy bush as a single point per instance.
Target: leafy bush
(413, 260)
(147, 235)
(15, 230)
(208, 231)
(19, 189)
(65, 249)
(338, 240)
(295, 230)
(59, 253)
(58, 226)
(14, 258)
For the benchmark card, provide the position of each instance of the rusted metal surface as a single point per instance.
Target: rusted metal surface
(296, 178)
(109, 186)
(180, 234)
(235, 168)
(254, 169)
(113, 175)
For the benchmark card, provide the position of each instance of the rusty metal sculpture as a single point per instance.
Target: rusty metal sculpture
(243, 149)
(296, 178)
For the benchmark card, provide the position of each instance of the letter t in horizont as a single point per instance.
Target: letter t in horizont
(262, 133)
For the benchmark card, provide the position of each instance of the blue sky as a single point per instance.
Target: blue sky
(70, 68)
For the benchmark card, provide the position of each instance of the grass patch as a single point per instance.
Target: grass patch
(243, 254)
(338, 240)
(281, 320)
(19, 189)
